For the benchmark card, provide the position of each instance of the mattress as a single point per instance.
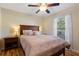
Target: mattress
(41, 45)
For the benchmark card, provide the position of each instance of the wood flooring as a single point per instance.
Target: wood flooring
(19, 52)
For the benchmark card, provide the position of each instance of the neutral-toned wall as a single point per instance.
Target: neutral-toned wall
(47, 25)
(11, 18)
(1, 40)
(0, 22)
(74, 12)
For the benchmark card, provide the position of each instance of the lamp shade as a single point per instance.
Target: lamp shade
(15, 30)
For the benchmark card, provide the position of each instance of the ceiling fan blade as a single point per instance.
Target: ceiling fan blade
(33, 5)
(53, 4)
(37, 11)
(47, 11)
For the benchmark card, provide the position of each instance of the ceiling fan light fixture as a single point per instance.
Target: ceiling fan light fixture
(43, 7)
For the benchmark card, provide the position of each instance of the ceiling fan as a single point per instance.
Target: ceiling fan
(44, 6)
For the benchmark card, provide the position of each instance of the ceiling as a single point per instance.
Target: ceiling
(22, 7)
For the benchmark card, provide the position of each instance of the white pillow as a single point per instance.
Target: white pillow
(27, 32)
(36, 33)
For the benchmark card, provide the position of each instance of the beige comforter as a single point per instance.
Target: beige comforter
(41, 45)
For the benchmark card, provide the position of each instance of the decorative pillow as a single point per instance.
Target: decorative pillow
(27, 32)
(36, 33)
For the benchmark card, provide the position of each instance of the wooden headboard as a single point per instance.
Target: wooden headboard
(28, 27)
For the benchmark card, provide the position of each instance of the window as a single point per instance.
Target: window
(61, 27)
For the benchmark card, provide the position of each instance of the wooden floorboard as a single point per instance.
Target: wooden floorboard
(19, 52)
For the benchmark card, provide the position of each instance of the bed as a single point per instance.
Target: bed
(41, 45)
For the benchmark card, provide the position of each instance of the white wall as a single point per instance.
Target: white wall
(11, 18)
(74, 12)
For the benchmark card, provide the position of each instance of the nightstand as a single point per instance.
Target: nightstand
(11, 42)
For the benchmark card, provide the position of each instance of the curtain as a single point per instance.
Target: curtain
(55, 27)
(68, 29)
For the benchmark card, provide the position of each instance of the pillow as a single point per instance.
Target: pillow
(36, 33)
(27, 32)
